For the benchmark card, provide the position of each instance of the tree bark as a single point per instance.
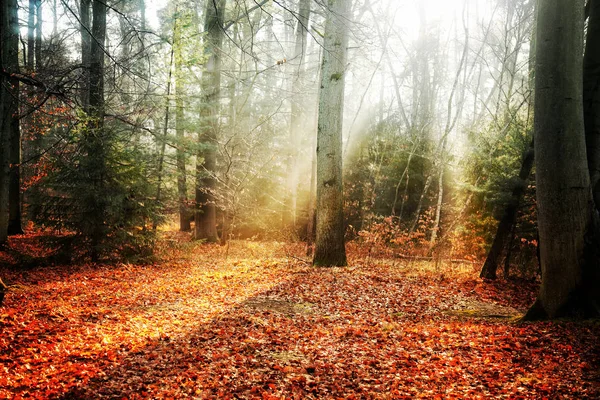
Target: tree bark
(564, 199)
(591, 96)
(329, 245)
(9, 90)
(509, 216)
(438, 210)
(165, 135)
(14, 190)
(184, 215)
(205, 216)
(97, 140)
(11, 64)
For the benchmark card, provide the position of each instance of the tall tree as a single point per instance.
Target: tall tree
(86, 42)
(205, 215)
(329, 244)
(31, 34)
(296, 127)
(564, 199)
(14, 189)
(96, 144)
(9, 95)
(38, 34)
(184, 215)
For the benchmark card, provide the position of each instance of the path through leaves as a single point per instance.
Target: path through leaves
(260, 324)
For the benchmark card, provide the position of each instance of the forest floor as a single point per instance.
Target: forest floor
(255, 321)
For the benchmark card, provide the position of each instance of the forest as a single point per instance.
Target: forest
(300, 199)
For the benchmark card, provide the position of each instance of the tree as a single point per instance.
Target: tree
(329, 244)
(184, 217)
(289, 216)
(14, 184)
(97, 145)
(205, 215)
(86, 42)
(505, 229)
(591, 96)
(9, 95)
(566, 212)
(508, 219)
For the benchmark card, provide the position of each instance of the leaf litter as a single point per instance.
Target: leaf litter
(254, 323)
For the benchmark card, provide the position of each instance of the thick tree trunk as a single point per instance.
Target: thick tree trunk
(564, 199)
(9, 53)
(14, 190)
(591, 96)
(509, 216)
(591, 104)
(205, 216)
(11, 64)
(329, 246)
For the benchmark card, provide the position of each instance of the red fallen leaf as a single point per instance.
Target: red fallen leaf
(228, 336)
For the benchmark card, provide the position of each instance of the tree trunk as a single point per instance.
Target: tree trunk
(329, 246)
(564, 199)
(413, 226)
(509, 216)
(86, 42)
(163, 142)
(206, 214)
(14, 190)
(54, 19)
(96, 141)
(9, 53)
(184, 215)
(591, 96)
(11, 64)
(438, 209)
(402, 178)
(31, 34)
(38, 35)
(296, 129)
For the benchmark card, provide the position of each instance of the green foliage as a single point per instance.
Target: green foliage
(100, 189)
(373, 170)
(495, 160)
